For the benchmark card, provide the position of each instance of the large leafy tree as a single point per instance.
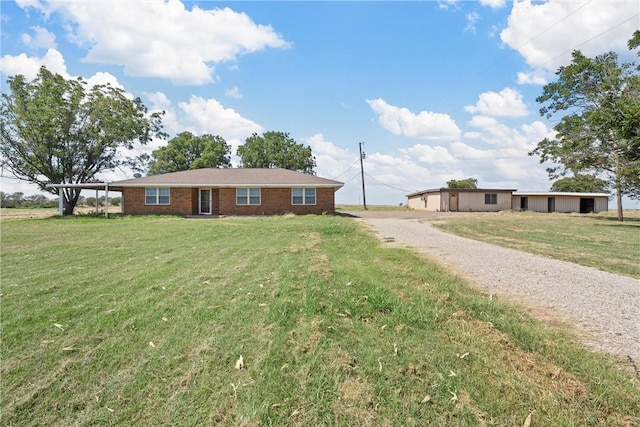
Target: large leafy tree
(276, 150)
(580, 184)
(469, 183)
(600, 133)
(187, 151)
(60, 131)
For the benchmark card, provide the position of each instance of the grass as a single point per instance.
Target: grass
(597, 241)
(142, 321)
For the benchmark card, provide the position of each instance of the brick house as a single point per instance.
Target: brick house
(234, 191)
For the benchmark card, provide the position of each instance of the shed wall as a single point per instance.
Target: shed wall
(428, 202)
(563, 204)
(475, 202)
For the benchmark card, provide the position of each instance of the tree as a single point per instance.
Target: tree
(187, 151)
(463, 183)
(59, 131)
(12, 200)
(580, 184)
(600, 135)
(276, 150)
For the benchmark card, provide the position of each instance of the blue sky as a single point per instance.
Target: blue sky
(437, 90)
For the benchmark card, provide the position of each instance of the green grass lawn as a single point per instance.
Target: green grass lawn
(597, 241)
(142, 321)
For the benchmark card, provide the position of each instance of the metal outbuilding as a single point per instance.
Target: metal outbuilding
(493, 200)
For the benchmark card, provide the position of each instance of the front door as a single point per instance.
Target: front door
(205, 201)
(453, 202)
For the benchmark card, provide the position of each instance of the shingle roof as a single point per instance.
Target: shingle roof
(232, 177)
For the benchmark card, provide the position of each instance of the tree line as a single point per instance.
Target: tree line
(19, 200)
(57, 130)
(269, 150)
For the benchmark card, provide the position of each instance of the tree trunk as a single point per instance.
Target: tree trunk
(618, 189)
(619, 198)
(69, 200)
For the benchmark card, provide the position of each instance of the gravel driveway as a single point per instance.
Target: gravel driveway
(605, 305)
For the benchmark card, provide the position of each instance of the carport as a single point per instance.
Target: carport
(97, 186)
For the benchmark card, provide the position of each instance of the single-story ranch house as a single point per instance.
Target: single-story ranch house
(492, 200)
(232, 191)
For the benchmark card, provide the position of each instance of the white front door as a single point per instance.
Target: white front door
(205, 201)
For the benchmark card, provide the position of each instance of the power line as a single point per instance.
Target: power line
(352, 178)
(387, 185)
(346, 170)
(553, 25)
(502, 56)
(594, 37)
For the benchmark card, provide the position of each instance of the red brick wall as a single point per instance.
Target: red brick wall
(180, 199)
(275, 201)
(184, 201)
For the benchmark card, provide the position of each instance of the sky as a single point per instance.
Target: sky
(435, 90)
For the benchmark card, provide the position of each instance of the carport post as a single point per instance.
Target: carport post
(106, 200)
(60, 204)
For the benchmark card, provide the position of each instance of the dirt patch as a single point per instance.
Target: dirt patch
(11, 214)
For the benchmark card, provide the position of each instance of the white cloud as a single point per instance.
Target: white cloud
(538, 76)
(424, 125)
(103, 78)
(29, 3)
(522, 139)
(234, 92)
(209, 116)
(506, 103)
(332, 161)
(466, 152)
(163, 39)
(40, 39)
(430, 155)
(537, 131)
(446, 4)
(28, 66)
(472, 19)
(494, 4)
(546, 33)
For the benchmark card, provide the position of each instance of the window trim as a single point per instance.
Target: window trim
(157, 196)
(304, 196)
(248, 196)
(490, 198)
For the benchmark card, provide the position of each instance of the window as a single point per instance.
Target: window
(247, 196)
(156, 196)
(490, 199)
(303, 196)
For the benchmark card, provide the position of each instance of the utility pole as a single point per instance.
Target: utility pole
(362, 156)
